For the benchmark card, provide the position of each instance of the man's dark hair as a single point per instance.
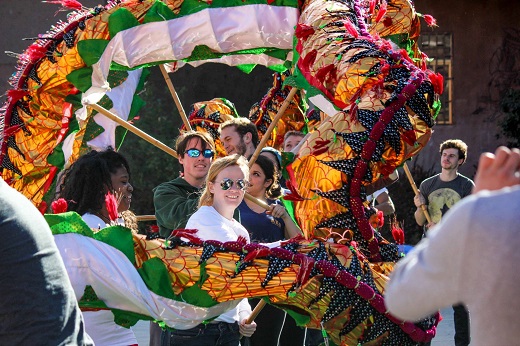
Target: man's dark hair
(205, 139)
(455, 144)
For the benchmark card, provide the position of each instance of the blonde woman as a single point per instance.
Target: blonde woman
(225, 187)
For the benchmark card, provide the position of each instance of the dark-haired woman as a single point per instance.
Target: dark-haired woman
(85, 186)
(266, 227)
(86, 183)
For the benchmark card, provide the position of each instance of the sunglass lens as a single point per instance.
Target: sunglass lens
(241, 184)
(226, 184)
(193, 152)
(208, 153)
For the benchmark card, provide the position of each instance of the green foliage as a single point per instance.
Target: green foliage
(510, 124)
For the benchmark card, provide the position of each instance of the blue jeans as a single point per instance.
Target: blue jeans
(211, 334)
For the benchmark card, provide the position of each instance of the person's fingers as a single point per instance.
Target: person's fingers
(512, 162)
(485, 161)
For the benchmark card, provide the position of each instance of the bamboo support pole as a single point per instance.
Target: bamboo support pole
(141, 218)
(267, 134)
(134, 129)
(175, 97)
(416, 191)
(256, 311)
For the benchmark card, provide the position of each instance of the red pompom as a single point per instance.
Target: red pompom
(59, 206)
(430, 21)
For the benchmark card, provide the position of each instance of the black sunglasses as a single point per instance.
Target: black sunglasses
(207, 153)
(227, 183)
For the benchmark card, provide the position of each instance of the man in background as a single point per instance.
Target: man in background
(291, 140)
(439, 193)
(239, 136)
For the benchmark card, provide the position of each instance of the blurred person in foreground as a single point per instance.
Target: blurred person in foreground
(475, 266)
(38, 304)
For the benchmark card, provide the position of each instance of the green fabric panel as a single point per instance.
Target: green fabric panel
(201, 53)
(92, 130)
(278, 68)
(127, 318)
(289, 206)
(144, 77)
(75, 100)
(195, 295)
(137, 104)
(158, 12)
(69, 222)
(90, 300)
(246, 68)
(402, 40)
(116, 78)
(81, 78)
(57, 158)
(155, 275)
(120, 135)
(301, 320)
(120, 20)
(91, 50)
(231, 106)
(119, 237)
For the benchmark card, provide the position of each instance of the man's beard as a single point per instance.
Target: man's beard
(241, 147)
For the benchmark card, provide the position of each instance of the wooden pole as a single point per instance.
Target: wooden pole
(134, 129)
(267, 134)
(145, 218)
(175, 97)
(256, 311)
(416, 191)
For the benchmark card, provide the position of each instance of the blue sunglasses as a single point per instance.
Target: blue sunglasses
(207, 153)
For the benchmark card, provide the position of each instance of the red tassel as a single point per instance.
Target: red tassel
(35, 52)
(189, 234)
(59, 206)
(398, 235)
(16, 94)
(43, 207)
(303, 31)
(324, 71)
(256, 253)
(437, 81)
(430, 21)
(111, 204)
(351, 29)
(372, 6)
(72, 4)
(382, 11)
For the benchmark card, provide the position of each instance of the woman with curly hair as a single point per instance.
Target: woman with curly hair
(86, 183)
(85, 187)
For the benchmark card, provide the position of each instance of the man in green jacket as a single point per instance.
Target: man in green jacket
(177, 199)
